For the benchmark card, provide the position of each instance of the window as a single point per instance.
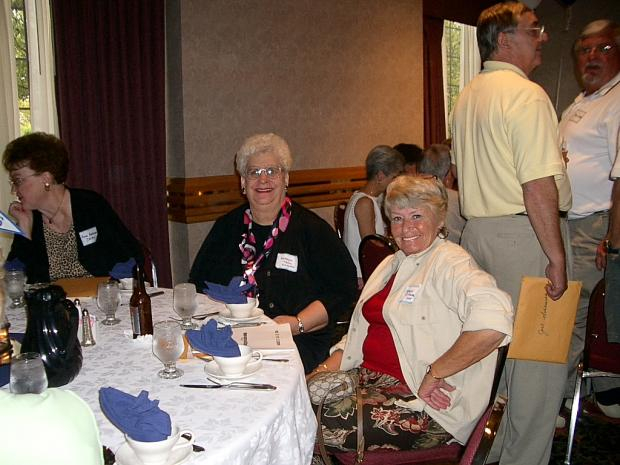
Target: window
(461, 62)
(21, 64)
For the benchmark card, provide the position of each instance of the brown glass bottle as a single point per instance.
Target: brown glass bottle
(140, 306)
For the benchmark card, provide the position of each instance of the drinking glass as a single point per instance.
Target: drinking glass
(108, 298)
(15, 282)
(27, 374)
(168, 347)
(184, 301)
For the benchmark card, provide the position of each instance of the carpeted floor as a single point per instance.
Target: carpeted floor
(597, 439)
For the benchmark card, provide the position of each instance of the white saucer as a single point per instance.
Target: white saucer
(126, 456)
(213, 370)
(226, 318)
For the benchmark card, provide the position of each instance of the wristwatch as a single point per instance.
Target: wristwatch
(300, 325)
(429, 371)
(608, 248)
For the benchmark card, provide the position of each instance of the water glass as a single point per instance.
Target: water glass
(108, 299)
(168, 347)
(15, 281)
(27, 374)
(184, 301)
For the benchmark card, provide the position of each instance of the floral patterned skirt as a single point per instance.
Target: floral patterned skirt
(386, 425)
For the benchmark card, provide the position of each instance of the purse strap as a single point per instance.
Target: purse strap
(319, 433)
(360, 425)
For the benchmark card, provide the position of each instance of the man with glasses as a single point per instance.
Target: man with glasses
(589, 131)
(514, 192)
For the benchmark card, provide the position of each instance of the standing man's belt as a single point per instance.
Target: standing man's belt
(560, 213)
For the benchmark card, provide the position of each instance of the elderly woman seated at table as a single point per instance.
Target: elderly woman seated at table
(422, 337)
(69, 233)
(363, 214)
(304, 275)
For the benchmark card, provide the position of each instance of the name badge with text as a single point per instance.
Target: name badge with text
(285, 261)
(89, 236)
(410, 294)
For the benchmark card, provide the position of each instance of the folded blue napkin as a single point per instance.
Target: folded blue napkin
(138, 417)
(123, 269)
(235, 293)
(14, 265)
(210, 340)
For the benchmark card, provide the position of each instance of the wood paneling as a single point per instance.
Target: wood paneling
(196, 200)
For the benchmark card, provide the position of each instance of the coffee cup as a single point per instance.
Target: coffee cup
(242, 310)
(157, 452)
(234, 366)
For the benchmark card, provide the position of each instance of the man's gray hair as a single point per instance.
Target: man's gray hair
(599, 27)
(385, 159)
(436, 161)
(495, 19)
(263, 143)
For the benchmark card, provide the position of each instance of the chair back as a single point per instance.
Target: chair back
(372, 250)
(339, 210)
(599, 354)
(150, 271)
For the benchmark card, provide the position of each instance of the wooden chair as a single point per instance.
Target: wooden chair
(476, 450)
(339, 210)
(372, 250)
(600, 357)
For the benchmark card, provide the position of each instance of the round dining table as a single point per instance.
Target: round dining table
(235, 427)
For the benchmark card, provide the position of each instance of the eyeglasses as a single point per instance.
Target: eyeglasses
(603, 49)
(536, 32)
(270, 171)
(16, 182)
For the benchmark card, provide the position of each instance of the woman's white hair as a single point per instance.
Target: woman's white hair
(263, 143)
(416, 191)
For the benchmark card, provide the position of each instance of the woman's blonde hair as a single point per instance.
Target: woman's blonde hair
(415, 191)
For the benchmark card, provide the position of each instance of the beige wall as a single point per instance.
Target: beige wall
(334, 78)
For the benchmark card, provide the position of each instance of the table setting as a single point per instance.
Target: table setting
(231, 382)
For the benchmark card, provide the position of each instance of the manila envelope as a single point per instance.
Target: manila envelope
(81, 287)
(543, 327)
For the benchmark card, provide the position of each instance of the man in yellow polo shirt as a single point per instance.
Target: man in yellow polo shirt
(514, 192)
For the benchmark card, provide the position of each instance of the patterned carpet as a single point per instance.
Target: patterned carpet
(597, 440)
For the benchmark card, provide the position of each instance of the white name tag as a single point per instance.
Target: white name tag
(410, 294)
(286, 261)
(89, 236)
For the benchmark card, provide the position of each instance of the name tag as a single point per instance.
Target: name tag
(576, 117)
(89, 236)
(410, 294)
(285, 261)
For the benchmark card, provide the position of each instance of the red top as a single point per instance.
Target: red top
(379, 351)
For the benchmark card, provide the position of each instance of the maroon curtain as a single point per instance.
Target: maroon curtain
(434, 120)
(110, 66)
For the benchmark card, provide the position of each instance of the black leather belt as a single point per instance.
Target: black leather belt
(560, 213)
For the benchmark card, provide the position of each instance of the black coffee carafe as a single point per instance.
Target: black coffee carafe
(51, 330)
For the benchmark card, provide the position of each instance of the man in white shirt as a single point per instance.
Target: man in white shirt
(589, 131)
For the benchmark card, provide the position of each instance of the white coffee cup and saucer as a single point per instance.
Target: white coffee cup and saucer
(231, 368)
(241, 313)
(171, 451)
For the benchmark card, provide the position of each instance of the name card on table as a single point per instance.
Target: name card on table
(543, 327)
(265, 337)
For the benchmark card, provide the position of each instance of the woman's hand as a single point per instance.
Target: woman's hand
(23, 217)
(432, 392)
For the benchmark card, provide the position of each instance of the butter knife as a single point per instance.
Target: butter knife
(264, 387)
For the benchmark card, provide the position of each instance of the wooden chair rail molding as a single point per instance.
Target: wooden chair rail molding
(196, 200)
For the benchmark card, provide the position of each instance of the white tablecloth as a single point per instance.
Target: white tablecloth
(235, 426)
